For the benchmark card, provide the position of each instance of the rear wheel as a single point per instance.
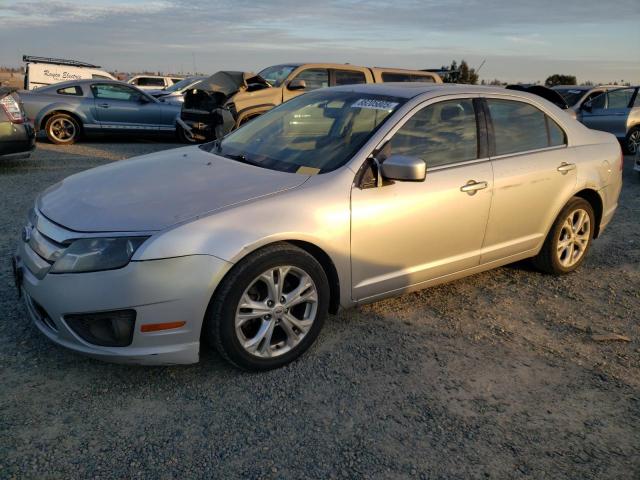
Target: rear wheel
(632, 141)
(62, 129)
(184, 137)
(269, 309)
(569, 240)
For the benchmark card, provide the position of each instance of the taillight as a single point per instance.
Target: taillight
(12, 109)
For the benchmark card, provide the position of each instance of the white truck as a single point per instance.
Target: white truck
(41, 71)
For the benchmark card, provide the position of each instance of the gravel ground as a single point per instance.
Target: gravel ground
(494, 376)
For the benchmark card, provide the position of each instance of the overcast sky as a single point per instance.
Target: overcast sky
(596, 40)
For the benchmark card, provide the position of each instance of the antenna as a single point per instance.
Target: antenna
(478, 69)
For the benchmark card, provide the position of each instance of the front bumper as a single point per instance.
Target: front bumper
(166, 290)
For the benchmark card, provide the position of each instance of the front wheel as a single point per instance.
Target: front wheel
(632, 142)
(568, 240)
(269, 309)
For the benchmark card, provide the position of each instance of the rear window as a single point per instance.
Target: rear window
(406, 77)
(520, 127)
(150, 82)
(75, 90)
(349, 77)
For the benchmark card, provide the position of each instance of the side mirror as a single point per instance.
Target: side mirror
(587, 106)
(403, 168)
(297, 84)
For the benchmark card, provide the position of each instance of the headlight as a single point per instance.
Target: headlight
(93, 254)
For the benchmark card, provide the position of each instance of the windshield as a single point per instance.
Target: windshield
(277, 74)
(181, 85)
(313, 133)
(570, 95)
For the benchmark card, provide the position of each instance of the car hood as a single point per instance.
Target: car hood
(155, 191)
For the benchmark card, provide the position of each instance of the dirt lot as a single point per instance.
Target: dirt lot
(494, 376)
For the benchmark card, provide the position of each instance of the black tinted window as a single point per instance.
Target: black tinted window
(348, 77)
(77, 91)
(439, 134)
(315, 78)
(113, 91)
(406, 77)
(150, 82)
(519, 127)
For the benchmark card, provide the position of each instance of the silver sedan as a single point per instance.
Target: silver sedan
(339, 197)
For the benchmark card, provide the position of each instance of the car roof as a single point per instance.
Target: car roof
(413, 89)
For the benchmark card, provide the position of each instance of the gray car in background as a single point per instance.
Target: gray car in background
(67, 110)
(576, 95)
(175, 92)
(616, 111)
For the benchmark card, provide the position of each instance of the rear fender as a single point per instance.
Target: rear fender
(60, 107)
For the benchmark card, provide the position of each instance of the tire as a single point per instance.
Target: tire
(62, 129)
(184, 138)
(261, 341)
(566, 247)
(632, 141)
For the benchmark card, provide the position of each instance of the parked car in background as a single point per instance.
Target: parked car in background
(43, 71)
(616, 111)
(577, 95)
(175, 92)
(68, 110)
(17, 136)
(228, 99)
(249, 241)
(153, 82)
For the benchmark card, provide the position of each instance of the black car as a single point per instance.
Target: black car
(17, 136)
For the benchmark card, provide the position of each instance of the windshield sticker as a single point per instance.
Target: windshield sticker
(375, 104)
(575, 91)
(307, 170)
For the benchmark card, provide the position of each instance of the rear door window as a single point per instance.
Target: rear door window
(406, 77)
(521, 127)
(75, 90)
(395, 77)
(348, 77)
(439, 134)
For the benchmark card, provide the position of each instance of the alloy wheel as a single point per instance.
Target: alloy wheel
(574, 238)
(62, 129)
(633, 142)
(276, 311)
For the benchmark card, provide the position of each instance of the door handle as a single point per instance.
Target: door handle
(104, 105)
(564, 167)
(471, 187)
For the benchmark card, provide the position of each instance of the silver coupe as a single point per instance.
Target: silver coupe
(339, 197)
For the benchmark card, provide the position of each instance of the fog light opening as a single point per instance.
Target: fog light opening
(107, 329)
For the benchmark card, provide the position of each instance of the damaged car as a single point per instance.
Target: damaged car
(226, 100)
